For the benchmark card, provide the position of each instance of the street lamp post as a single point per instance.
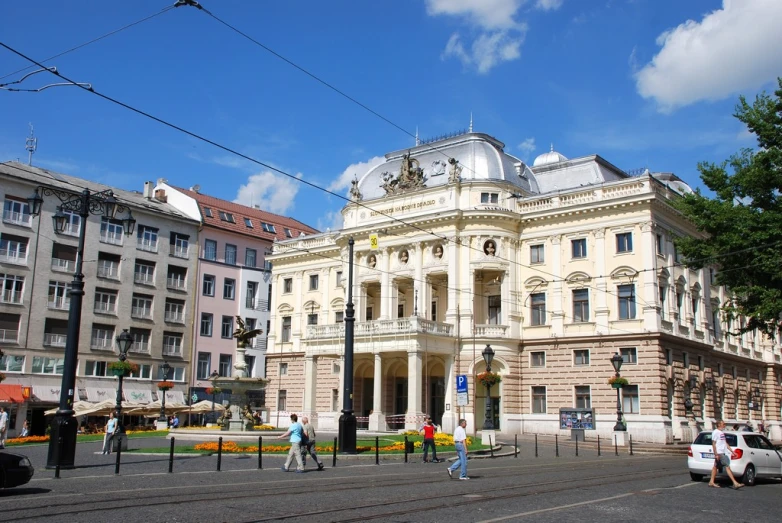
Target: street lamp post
(347, 421)
(488, 357)
(166, 368)
(62, 443)
(617, 361)
(124, 341)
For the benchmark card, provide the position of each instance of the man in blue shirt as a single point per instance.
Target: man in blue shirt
(295, 434)
(175, 422)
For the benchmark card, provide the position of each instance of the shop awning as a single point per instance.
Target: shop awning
(11, 394)
(175, 396)
(138, 395)
(96, 395)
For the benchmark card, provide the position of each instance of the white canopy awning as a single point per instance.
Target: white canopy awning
(175, 396)
(51, 394)
(96, 395)
(138, 395)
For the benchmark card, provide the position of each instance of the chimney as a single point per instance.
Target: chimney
(160, 195)
(148, 188)
(257, 206)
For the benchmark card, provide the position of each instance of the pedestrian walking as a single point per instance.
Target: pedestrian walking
(719, 445)
(460, 442)
(295, 434)
(428, 431)
(111, 429)
(3, 426)
(309, 443)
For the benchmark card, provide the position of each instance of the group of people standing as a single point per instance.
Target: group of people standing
(302, 438)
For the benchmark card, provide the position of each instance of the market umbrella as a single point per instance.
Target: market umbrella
(204, 406)
(80, 408)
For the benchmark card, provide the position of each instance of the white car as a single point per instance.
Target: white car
(753, 457)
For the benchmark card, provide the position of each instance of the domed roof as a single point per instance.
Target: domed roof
(548, 158)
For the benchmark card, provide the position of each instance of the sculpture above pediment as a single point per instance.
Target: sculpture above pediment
(411, 177)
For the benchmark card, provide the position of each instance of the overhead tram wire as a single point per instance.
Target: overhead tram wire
(110, 33)
(284, 173)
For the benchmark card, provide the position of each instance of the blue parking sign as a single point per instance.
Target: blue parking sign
(461, 383)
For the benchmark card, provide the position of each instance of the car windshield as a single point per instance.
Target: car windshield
(704, 438)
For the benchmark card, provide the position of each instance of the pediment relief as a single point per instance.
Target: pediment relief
(284, 307)
(624, 273)
(578, 278)
(535, 282)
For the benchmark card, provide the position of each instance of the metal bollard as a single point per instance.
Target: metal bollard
(219, 453)
(515, 445)
(556, 444)
(536, 445)
(598, 446)
(119, 454)
(576, 446)
(616, 447)
(377, 450)
(334, 457)
(59, 457)
(405, 449)
(631, 444)
(171, 457)
(260, 452)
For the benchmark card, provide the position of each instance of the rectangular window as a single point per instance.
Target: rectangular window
(538, 400)
(494, 303)
(207, 321)
(16, 212)
(629, 355)
(141, 307)
(209, 285)
(210, 250)
(662, 290)
(433, 309)
(537, 254)
(287, 285)
(339, 278)
(252, 295)
(624, 242)
(13, 249)
(660, 245)
(669, 356)
(715, 323)
(583, 397)
(285, 334)
(581, 357)
(176, 278)
(204, 363)
(230, 254)
(490, 197)
(268, 227)
(288, 233)
(626, 302)
(144, 272)
(282, 400)
(250, 257)
(227, 327)
(111, 231)
(312, 319)
(313, 282)
(630, 399)
(370, 313)
(172, 344)
(538, 309)
(580, 305)
(400, 310)
(225, 365)
(11, 288)
(207, 212)
(229, 289)
(147, 238)
(175, 311)
(140, 340)
(42, 365)
(95, 368)
(105, 301)
(59, 295)
(227, 217)
(180, 243)
(283, 369)
(679, 305)
(72, 223)
(339, 317)
(11, 363)
(701, 365)
(248, 223)
(108, 266)
(537, 359)
(334, 400)
(579, 248)
(102, 337)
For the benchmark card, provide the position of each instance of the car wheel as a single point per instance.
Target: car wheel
(696, 477)
(749, 476)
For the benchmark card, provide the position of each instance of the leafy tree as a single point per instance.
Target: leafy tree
(743, 221)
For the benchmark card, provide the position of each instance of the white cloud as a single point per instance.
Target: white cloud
(548, 5)
(342, 182)
(332, 220)
(527, 146)
(488, 14)
(732, 49)
(272, 192)
(488, 50)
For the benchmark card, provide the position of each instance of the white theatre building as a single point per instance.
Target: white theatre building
(557, 265)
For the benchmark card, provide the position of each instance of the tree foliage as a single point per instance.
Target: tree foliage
(743, 221)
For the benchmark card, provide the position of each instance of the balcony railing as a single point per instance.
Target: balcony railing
(59, 303)
(71, 229)
(140, 346)
(176, 283)
(175, 317)
(259, 343)
(147, 245)
(101, 344)
(61, 265)
(11, 296)
(14, 256)
(108, 271)
(491, 330)
(17, 218)
(256, 304)
(144, 278)
(9, 336)
(179, 251)
(104, 308)
(141, 312)
(54, 340)
(114, 238)
(172, 349)
(410, 325)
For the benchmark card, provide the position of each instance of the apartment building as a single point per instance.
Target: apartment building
(558, 266)
(143, 283)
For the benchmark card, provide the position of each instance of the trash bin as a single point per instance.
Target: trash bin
(410, 447)
(577, 435)
(118, 440)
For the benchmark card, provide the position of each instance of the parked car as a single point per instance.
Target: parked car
(15, 470)
(753, 457)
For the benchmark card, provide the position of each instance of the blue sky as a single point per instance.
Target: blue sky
(643, 83)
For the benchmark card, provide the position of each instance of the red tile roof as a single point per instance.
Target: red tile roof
(240, 212)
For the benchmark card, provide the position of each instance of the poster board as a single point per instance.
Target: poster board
(576, 419)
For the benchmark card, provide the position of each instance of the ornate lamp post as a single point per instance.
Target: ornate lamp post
(166, 369)
(347, 421)
(62, 444)
(124, 341)
(617, 361)
(488, 357)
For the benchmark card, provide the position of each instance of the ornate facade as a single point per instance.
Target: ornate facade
(557, 266)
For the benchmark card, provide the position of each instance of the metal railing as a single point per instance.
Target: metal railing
(60, 265)
(114, 238)
(105, 308)
(260, 343)
(140, 346)
(141, 312)
(178, 251)
(176, 283)
(11, 296)
(146, 245)
(256, 304)
(14, 256)
(59, 302)
(17, 218)
(9, 336)
(108, 271)
(144, 277)
(54, 340)
(101, 344)
(172, 349)
(175, 317)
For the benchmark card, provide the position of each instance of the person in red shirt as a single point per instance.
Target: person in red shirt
(428, 431)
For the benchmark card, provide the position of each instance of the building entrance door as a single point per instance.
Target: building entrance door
(495, 411)
(437, 399)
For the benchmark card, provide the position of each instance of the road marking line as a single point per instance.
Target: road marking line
(561, 507)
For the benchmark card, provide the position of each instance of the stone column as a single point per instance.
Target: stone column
(450, 416)
(771, 404)
(384, 262)
(453, 280)
(414, 388)
(377, 420)
(556, 316)
(649, 292)
(310, 386)
(600, 296)
(419, 285)
(298, 313)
